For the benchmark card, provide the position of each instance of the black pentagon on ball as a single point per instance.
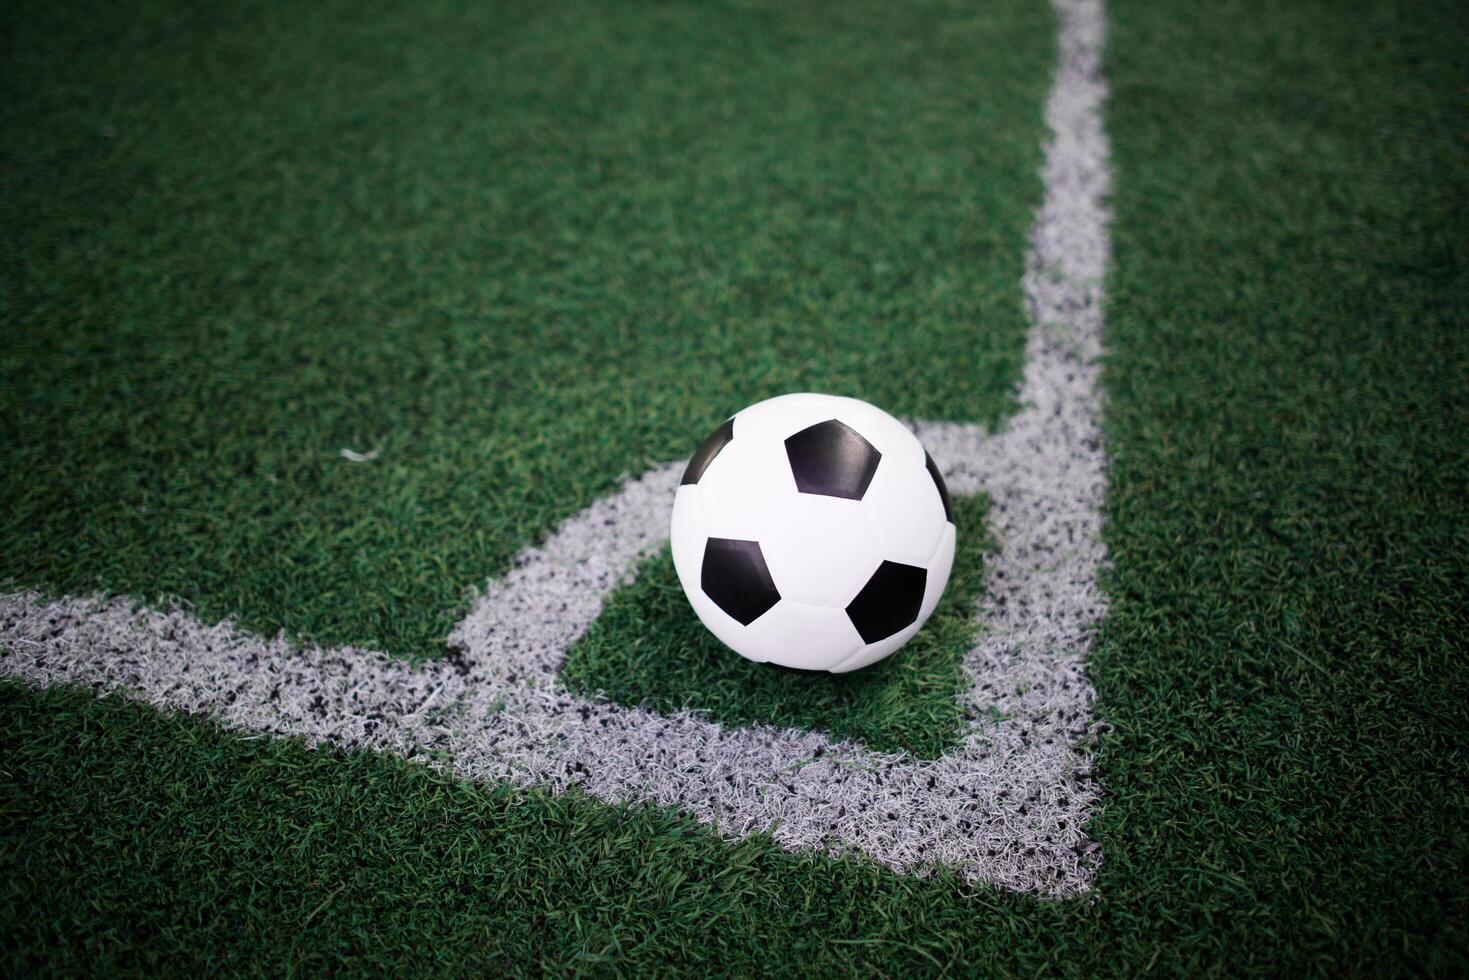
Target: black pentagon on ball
(707, 450)
(938, 481)
(889, 602)
(735, 577)
(832, 459)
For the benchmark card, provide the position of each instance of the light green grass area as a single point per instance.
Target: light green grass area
(1282, 664)
(521, 250)
(648, 648)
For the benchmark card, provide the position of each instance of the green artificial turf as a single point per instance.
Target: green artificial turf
(648, 648)
(159, 844)
(1282, 664)
(521, 251)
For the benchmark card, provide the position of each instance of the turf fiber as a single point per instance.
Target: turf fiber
(1282, 664)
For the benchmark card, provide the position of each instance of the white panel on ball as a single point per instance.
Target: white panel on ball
(782, 416)
(795, 634)
(820, 550)
(940, 564)
(746, 487)
(687, 536)
(906, 512)
(880, 650)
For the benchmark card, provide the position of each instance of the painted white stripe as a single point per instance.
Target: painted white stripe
(1006, 806)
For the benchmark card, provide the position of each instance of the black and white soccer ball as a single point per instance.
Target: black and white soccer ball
(813, 532)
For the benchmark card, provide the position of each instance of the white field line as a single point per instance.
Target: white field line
(1006, 806)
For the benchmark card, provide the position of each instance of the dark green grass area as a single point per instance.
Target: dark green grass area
(1283, 663)
(648, 648)
(522, 250)
(1286, 662)
(187, 850)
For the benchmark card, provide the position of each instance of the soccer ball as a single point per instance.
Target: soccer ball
(813, 532)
